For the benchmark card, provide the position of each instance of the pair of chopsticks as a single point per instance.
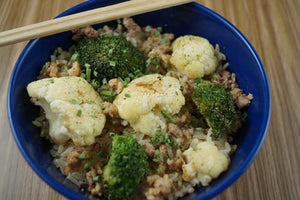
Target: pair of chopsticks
(75, 21)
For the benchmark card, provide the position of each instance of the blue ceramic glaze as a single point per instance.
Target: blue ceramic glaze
(187, 19)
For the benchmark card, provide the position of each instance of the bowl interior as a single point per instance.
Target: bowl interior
(187, 19)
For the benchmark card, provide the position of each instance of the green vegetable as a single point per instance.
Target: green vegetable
(159, 29)
(107, 93)
(109, 56)
(88, 74)
(164, 41)
(186, 126)
(157, 156)
(152, 61)
(198, 129)
(126, 167)
(82, 156)
(95, 84)
(156, 33)
(216, 105)
(96, 178)
(158, 170)
(74, 57)
(104, 81)
(156, 152)
(55, 52)
(148, 29)
(100, 154)
(163, 138)
(127, 95)
(168, 117)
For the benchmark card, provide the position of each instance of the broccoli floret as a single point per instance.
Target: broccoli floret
(109, 57)
(216, 105)
(126, 167)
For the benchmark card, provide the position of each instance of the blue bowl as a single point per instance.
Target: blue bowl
(187, 19)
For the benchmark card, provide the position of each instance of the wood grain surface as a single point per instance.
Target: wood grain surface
(272, 26)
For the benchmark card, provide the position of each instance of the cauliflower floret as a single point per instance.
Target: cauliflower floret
(142, 102)
(204, 162)
(71, 105)
(193, 56)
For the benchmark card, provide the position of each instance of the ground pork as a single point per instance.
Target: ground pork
(114, 122)
(176, 163)
(86, 31)
(163, 150)
(94, 187)
(159, 187)
(106, 30)
(187, 89)
(182, 136)
(226, 78)
(119, 30)
(110, 110)
(134, 32)
(75, 69)
(158, 47)
(229, 80)
(241, 100)
(175, 130)
(180, 133)
(149, 149)
(73, 161)
(115, 85)
(53, 69)
(184, 118)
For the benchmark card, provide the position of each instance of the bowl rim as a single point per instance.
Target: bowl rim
(213, 192)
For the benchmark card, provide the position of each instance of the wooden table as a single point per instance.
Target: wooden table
(272, 26)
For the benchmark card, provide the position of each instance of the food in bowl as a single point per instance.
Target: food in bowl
(133, 114)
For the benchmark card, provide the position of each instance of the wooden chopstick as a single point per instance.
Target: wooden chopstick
(71, 22)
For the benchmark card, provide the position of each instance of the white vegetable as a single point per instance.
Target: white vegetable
(205, 162)
(193, 56)
(71, 105)
(142, 102)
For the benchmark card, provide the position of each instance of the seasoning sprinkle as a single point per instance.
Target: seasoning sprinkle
(79, 112)
(73, 101)
(195, 148)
